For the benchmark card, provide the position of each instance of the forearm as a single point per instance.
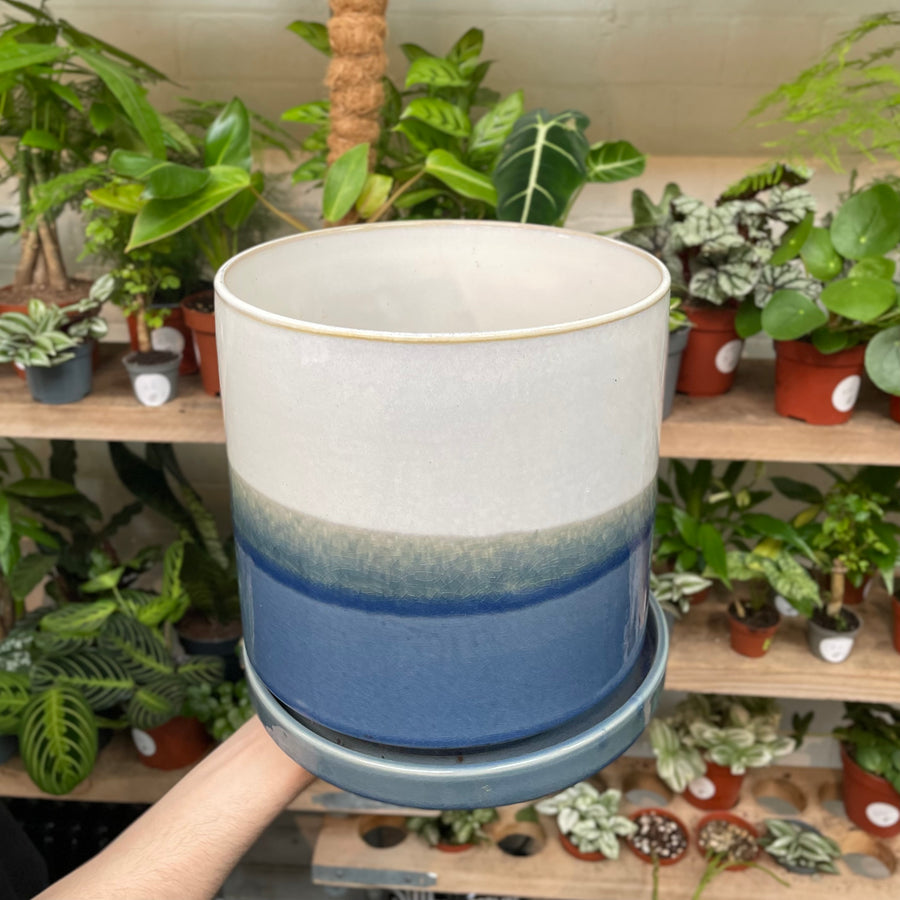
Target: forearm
(185, 845)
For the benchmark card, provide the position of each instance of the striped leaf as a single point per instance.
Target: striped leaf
(15, 691)
(46, 643)
(148, 608)
(614, 161)
(434, 72)
(491, 131)
(202, 670)
(155, 702)
(58, 739)
(439, 114)
(541, 167)
(99, 678)
(460, 178)
(140, 650)
(78, 618)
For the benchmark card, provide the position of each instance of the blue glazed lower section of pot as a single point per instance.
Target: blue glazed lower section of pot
(466, 666)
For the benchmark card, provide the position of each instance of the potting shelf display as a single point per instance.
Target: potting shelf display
(443, 474)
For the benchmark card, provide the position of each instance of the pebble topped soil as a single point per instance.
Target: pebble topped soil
(734, 843)
(658, 835)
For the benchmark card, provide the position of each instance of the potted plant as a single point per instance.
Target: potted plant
(883, 365)
(675, 591)
(588, 821)
(870, 757)
(679, 325)
(660, 837)
(800, 848)
(68, 99)
(222, 708)
(832, 292)
(705, 747)
(454, 830)
(728, 838)
(716, 256)
(54, 347)
(439, 157)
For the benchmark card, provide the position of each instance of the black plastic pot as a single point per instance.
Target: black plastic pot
(677, 343)
(67, 382)
(225, 648)
(154, 376)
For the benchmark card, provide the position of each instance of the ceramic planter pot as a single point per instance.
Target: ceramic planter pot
(717, 789)
(430, 491)
(669, 819)
(179, 742)
(895, 409)
(677, 342)
(830, 645)
(731, 819)
(572, 850)
(154, 376)
(751, 640)
(712, 354)
(895, 607)
(68, 382)
(870, 800)
(201, 319)
(816, 387)
(174, 336)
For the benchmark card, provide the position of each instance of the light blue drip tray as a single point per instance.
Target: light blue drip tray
(490, 776)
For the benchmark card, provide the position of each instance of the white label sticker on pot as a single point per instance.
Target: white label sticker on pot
(836, 649)
(729, 356)
(884, 815)
(152, 389)
(843, 397)
(784, 607)
(145, 744)
(702, 788)
(167, 339)
(196, 347)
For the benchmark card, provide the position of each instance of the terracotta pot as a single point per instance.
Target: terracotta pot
(816, 387)
(453, 848)
(700, 596)
(178, 743)
(870, 801)
(750, 641)
(895, 605)
(203, 327)
(672, 818)
(895, 409)
(734, 820)
(572, 850)
(717, 789)
(173, 335)
(712, 354)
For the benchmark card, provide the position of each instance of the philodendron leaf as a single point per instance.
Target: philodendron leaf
(883, 361)
(314, 33)
(822, 261)
(790, 315)
(541, 167)
(375, 192)
(439, 114)
(344, 181)
(171, 180)
(227, 140)
(459, 177)
(792, 241)
(124, 198)
(868, 223)
(860, 299)
(614, 161)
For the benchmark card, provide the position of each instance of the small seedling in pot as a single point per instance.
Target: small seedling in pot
(658, 836)
(727, 840)
(799, 848)
(454, 827)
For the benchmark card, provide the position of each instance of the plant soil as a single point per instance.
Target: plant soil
(202, 302)
(151, 357)
(659, 836)
(734, 843)
(196, 627)
(848, 620)
(761, 618)
(12, 295)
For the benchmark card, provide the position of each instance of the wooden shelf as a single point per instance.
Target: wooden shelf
(742, 424)
(701, 659)
(341, 857)
(110, 411)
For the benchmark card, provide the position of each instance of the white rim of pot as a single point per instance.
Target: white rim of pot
(280, 321)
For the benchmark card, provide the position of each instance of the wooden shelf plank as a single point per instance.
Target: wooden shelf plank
(110, 411)
(321, 797)
(341, 857)
(742, 424)
(701, 659)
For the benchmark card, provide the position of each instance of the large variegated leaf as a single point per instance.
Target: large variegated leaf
(155, 702)
(202, 670)
(491, 131)
(435, 72)
(140, 650)
(78, 618)
(99, 678)
(439, 114)
(58, 739)
(542, 167)
(15, 691)
(790, 205)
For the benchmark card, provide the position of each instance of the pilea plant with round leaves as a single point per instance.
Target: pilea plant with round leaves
(735, 732)
(589, 818)
(453, 826)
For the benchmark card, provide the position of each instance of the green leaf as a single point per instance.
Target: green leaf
(160, 219)
(66, 94)
(827, 341)
(423, 137)
(15, 56)
(132, 97)
(459, 177)
(101, 117)
(468, 47)
(314, 113)
(97, 677)
(491, 131)
(873, 267)
(883, 361)
(822, 261)
(155, 702)
(868, 223)
(58, 739)
(104, 582)
(138, 648)
(202, 670)
(748, 320)
(134, 165)
(78, 618)
(40, 488)
(439, 114)
(124, 198)
(792, 241)
(614, 161)
(541, 167)
(41, 139)
(434, 72)
(790, 315)
(314, 33)
(374, 194)
(797, 490)
(413, 198)
(344, 181)
(713, 548)
(28, 573)
(859, 299)
(413, 51)
(171, 181)
(312, 170)
(227, 140)
(15, 692)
